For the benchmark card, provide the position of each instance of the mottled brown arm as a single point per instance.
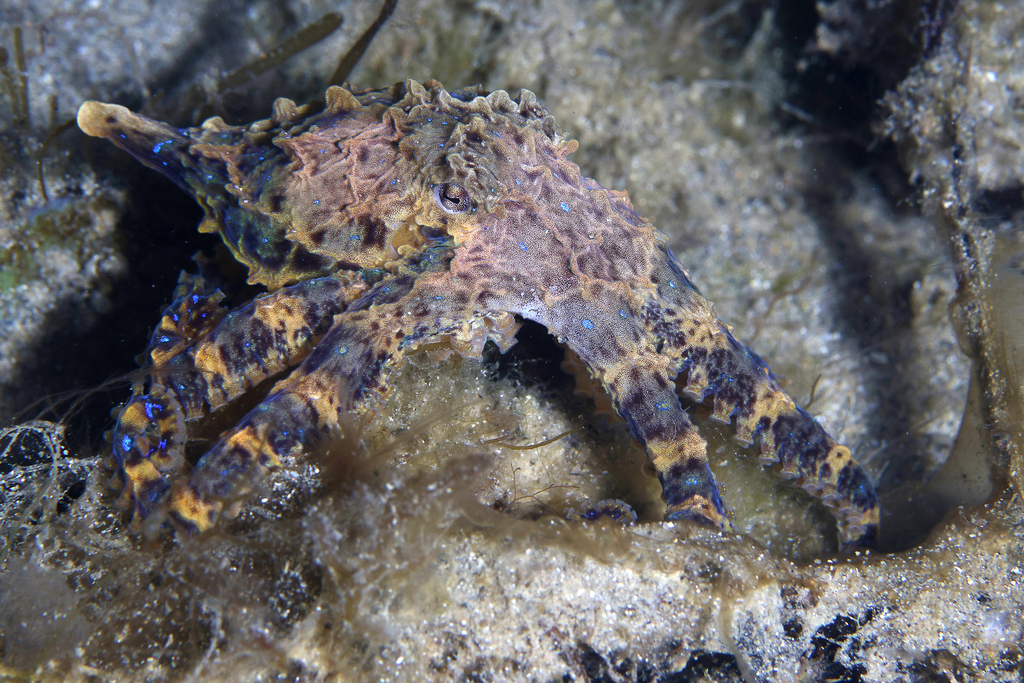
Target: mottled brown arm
(198, 368)
(347, 374)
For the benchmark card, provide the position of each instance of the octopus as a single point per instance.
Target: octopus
(380, 223)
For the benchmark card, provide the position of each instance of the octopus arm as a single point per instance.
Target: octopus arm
(599, 327)
(202, 359)
(346, 374)
(740, 385)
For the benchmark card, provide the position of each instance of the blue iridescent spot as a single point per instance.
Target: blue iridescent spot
(126, 443)
(672, 284)
(522, 245)
(692, 480)
(622, 314)
(394, 181)
(587, 323)
(123, 136)
(517, 182)
(662, 405)
(317, 202)
(438, 297)
(159, 145)
(494, 132)
(150, 408)
(565, 207)
(354, 237)
(342, 350)
(163, 339)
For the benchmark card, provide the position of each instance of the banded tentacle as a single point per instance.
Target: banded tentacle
(346, 375)
(202, 358)
(740, 384)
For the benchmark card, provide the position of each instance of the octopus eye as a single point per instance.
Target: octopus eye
(452, 198)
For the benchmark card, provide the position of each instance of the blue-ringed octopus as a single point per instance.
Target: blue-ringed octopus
(385, 222)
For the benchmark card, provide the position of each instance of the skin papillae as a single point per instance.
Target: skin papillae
(411, 218)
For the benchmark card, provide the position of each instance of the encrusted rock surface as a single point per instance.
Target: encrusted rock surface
(436, 551)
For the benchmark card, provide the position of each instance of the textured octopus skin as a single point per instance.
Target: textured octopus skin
(411, 218)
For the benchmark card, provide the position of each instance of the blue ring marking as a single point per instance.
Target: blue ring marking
(662, 405)
(126, 443)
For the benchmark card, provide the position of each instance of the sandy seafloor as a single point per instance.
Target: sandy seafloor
(818, 170)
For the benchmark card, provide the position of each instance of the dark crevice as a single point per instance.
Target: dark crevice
(704, 665)
(535, 360)
(1002, 207)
